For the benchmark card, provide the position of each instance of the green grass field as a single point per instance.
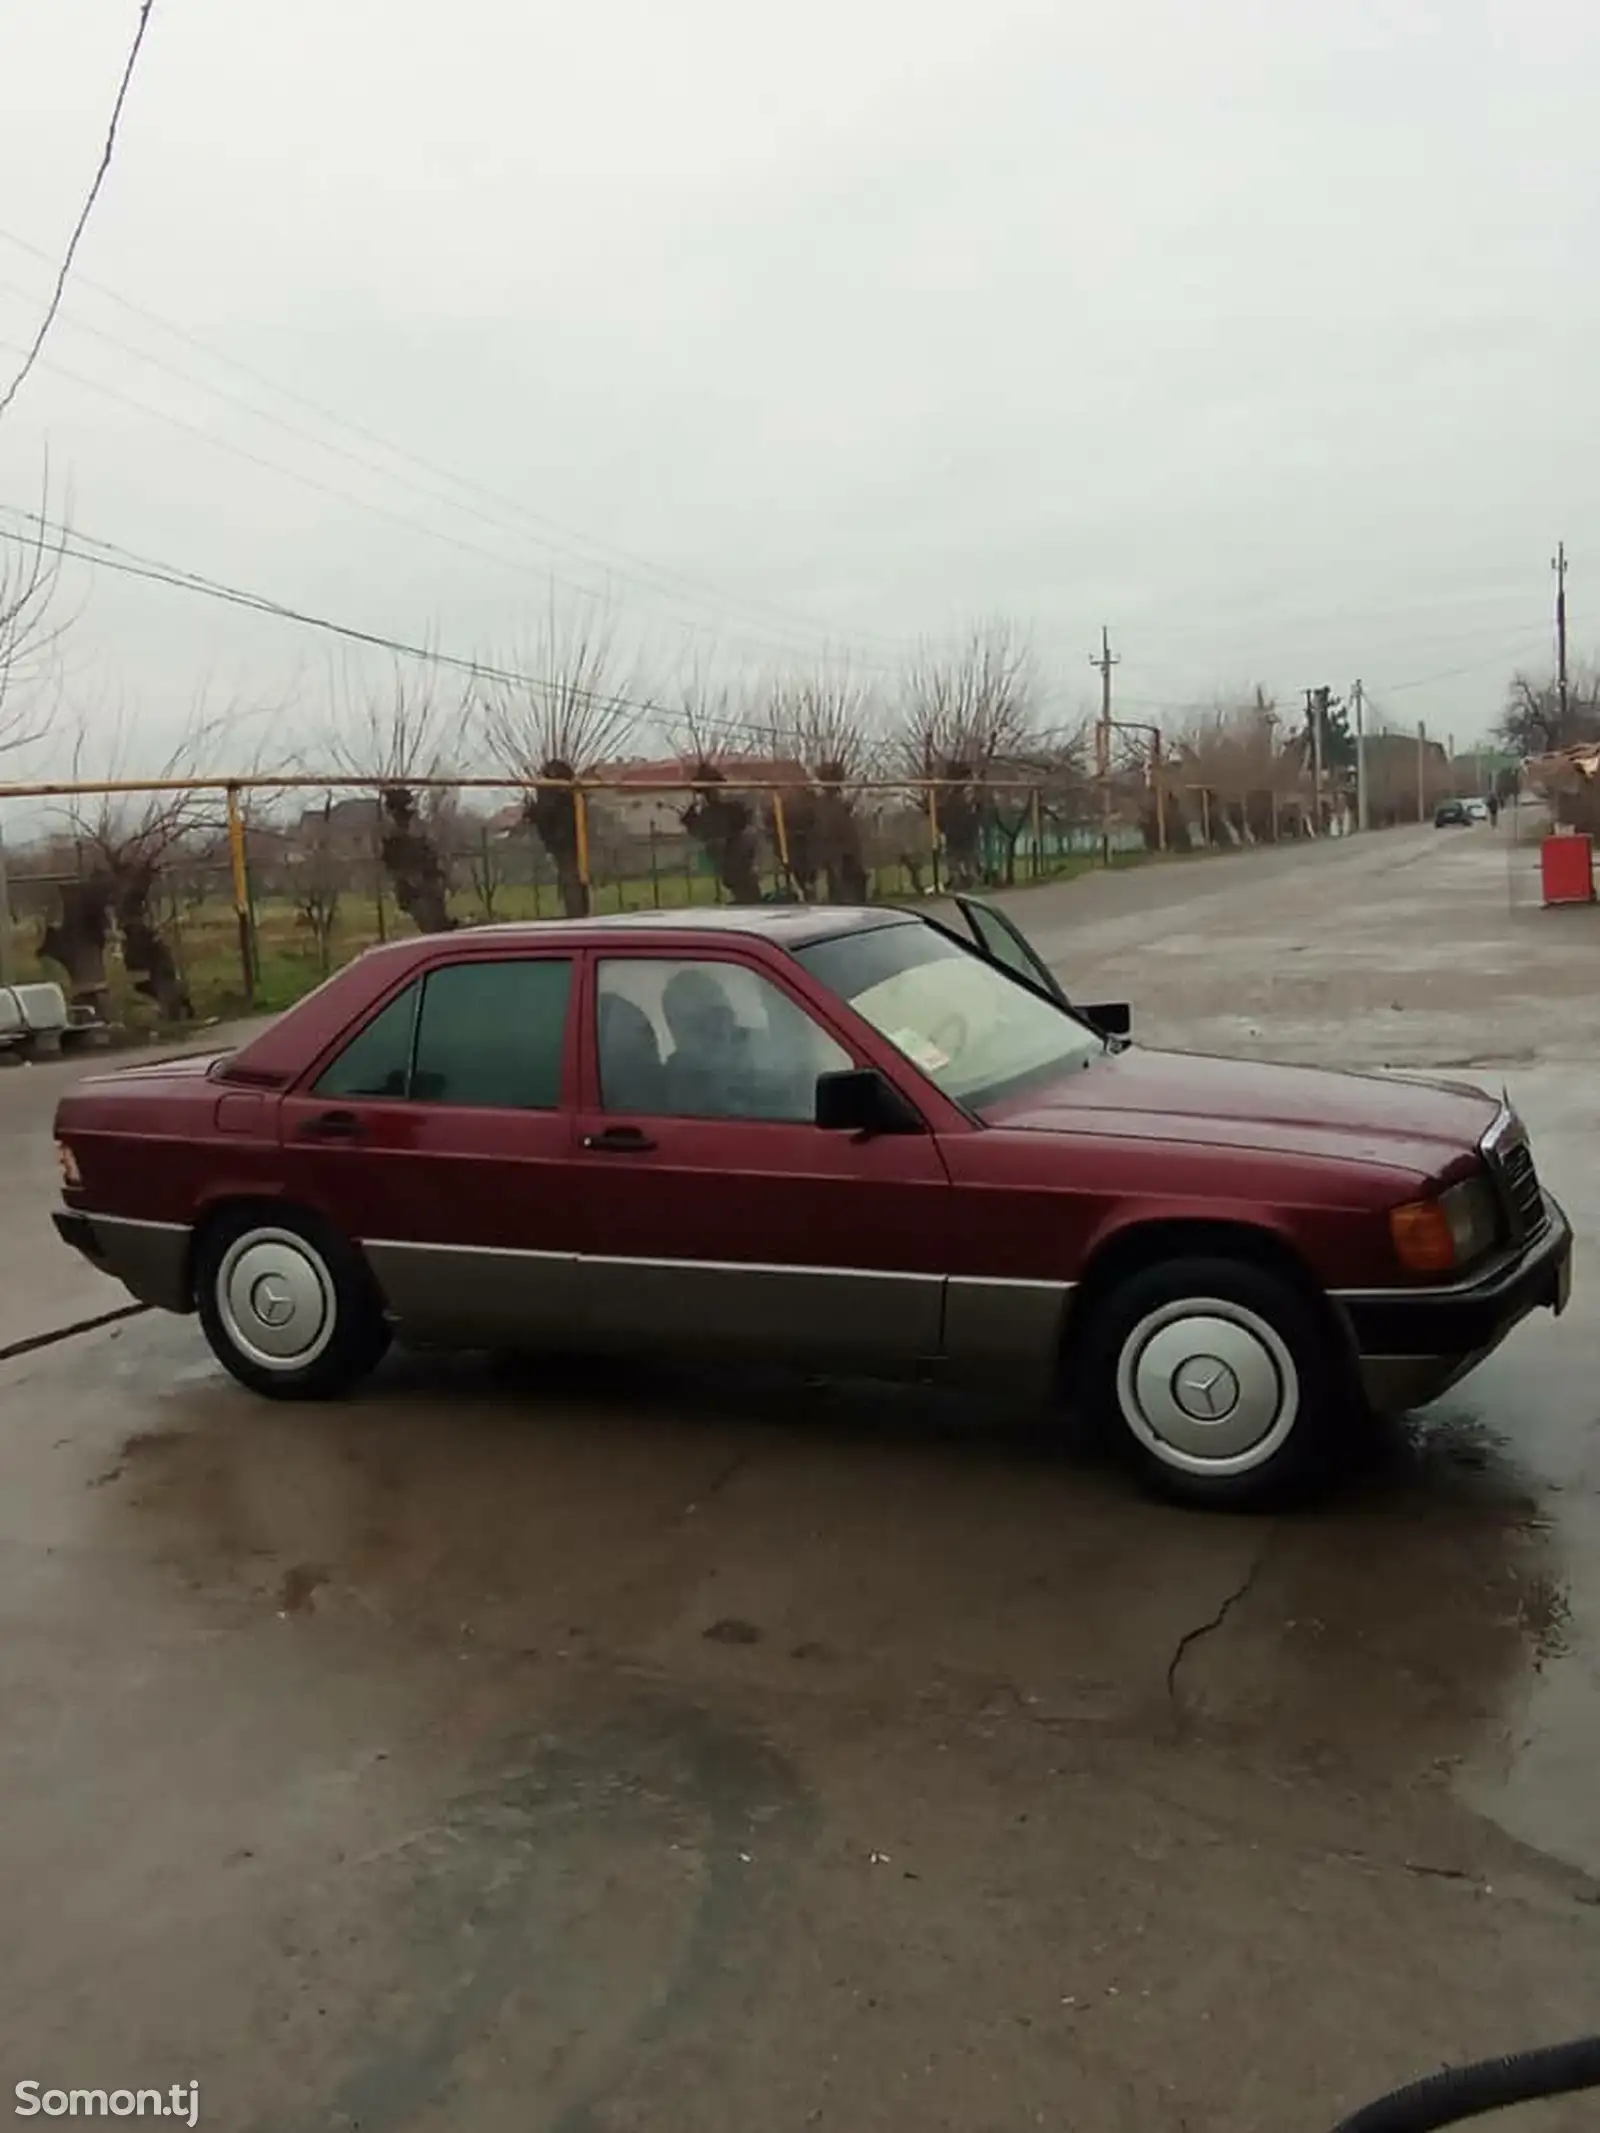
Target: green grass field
(204, 935)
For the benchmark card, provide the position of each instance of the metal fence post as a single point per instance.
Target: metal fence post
(238, 861)
(780, 837)
(8, 957)
(580, 844)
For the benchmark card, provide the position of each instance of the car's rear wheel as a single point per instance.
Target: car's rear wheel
(287, 1305)
(1219, 1377)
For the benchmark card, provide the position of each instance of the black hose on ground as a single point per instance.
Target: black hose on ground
(1491, 2085)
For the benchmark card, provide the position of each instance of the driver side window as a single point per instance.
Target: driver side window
(707, 1039)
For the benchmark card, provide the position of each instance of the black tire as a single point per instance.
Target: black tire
(251, 1261)
(1221, 1380)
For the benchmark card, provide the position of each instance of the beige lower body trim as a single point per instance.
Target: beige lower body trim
(880, 1322)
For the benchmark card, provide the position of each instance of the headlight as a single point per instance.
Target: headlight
(71, 1177)
(1442, 1235)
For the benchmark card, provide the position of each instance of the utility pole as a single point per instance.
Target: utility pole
(1422, 772)
(1358, 699)
(1102, 739)
(1315, 699)
(1319, 703)
(1559, 566)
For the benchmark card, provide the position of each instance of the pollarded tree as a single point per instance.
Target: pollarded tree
(551, 716)
(963, 716)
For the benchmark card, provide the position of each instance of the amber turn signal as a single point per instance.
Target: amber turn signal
(1423, 1240)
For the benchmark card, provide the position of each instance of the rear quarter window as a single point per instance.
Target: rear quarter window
(377, 1060)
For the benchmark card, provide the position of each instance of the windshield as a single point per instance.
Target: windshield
(978, 1034)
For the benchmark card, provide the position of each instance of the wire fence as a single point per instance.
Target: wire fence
(171, 900)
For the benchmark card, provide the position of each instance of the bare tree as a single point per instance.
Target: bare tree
(964, 716)
(552, 716)
(124, 842)
(1235, 762)
(1046, 785)
(833, 726)
(31, 627)
(724, 822)
(318, 879)
(398, 734)
(1534, 722)
(487, 868)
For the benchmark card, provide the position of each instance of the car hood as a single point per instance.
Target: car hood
(1417, 1126)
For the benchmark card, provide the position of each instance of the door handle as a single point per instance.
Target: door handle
(332, 1126)
(619, 1140)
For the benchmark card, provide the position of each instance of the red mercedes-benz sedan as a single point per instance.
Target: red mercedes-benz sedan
(852, 1140)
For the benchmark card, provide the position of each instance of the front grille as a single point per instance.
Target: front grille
(1521, 1182)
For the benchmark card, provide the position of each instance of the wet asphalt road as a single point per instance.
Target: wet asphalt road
(671, 1753)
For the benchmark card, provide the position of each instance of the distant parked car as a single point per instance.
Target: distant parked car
(1477, 810)
(1452, 814)
(37, 1023)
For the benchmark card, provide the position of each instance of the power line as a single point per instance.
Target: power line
(1478, 666)
(108, 555)
(100, 554)
(76, 546)
(82, 223)
(359, 503)
(639, 570)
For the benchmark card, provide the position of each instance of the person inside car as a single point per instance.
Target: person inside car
(710, 1057)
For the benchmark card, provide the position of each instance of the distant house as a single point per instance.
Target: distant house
(346, 830)
(637, 811)
(1397, 763)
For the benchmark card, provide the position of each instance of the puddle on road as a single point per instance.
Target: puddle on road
(1387, 1631)
(1424, 1629)
(1533, 1771)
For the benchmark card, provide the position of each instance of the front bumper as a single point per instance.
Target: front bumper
(1413, 1344)
(150, 1259)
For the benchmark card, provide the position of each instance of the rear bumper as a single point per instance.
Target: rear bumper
(1413, 1344)
(150, 1259)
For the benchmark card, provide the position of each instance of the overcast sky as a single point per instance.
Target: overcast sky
(1262, 330)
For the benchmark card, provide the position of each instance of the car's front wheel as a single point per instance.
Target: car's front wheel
(1220, 1377)
(287, 1306)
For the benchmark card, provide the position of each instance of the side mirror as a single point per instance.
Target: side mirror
(1113, 1018)
(859, 1100)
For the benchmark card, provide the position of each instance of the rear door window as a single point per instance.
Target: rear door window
(493, 1034)
(486, 1034)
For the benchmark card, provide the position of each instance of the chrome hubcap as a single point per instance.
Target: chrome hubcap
(276, 1300)
(1208, 1386)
